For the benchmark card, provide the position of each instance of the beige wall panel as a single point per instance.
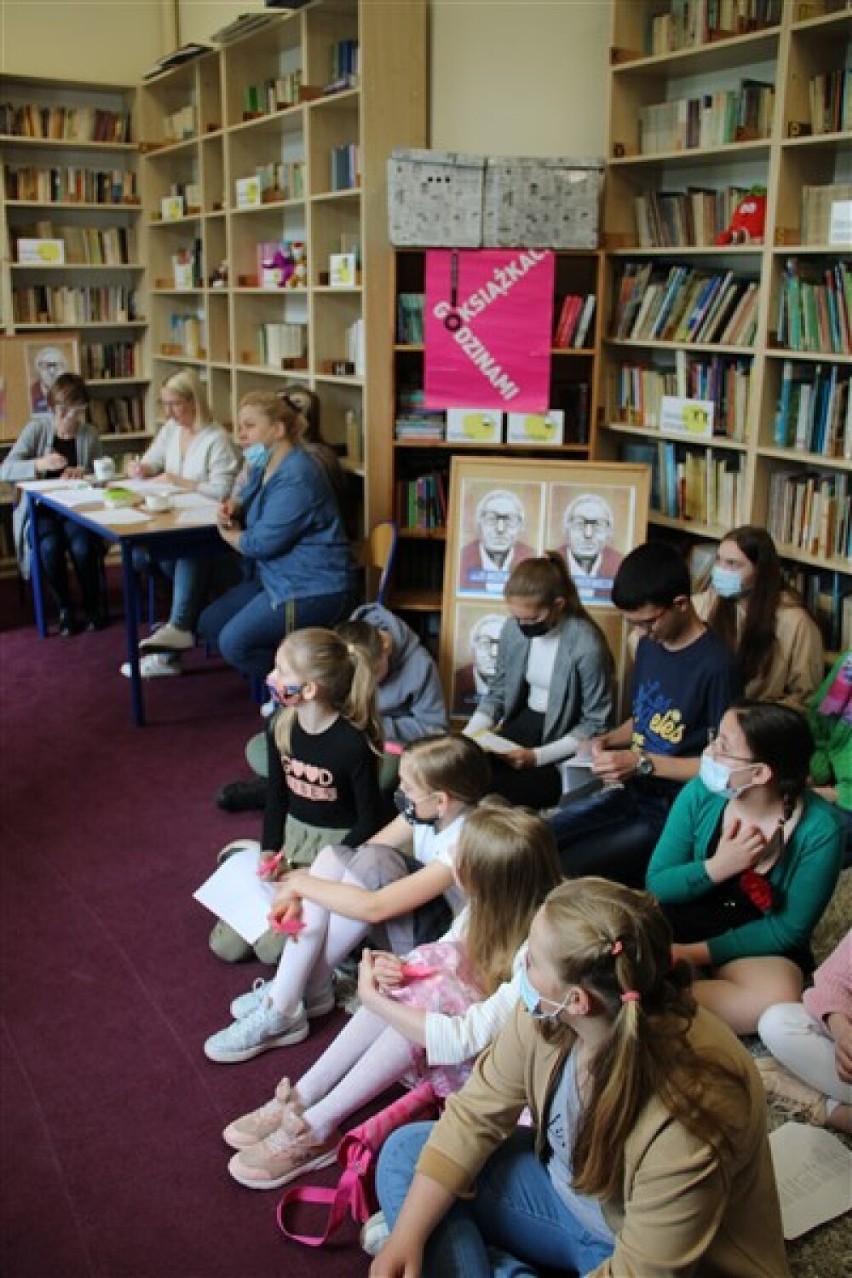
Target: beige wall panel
(91, 41)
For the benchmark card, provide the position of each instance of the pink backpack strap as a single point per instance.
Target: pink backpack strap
(358, 1153)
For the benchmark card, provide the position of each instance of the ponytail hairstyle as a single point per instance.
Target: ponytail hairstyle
(306, 403)
(615, 943)
(780, 737)
(506, 863)
(755, 646)
(363, 635)
(276, 409)
(343, 675)
(456, 765)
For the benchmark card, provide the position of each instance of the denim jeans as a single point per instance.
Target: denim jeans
(59, 537)
(611, 833)
(193, 580)
(515, 1224)
(247, 630)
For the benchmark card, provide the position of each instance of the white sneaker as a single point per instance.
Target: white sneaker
(261, 1030)
(155, 665)
(374, 1234)
(168, 638)
(319, 1004)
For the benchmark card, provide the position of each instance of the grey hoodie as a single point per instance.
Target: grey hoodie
(410, 700)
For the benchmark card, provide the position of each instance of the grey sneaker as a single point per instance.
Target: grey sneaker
(168, 638)
(374, 1234)
(319, 1004)
(261, 1030)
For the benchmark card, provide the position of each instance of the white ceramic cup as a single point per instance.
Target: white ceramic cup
(157, 503)
(104, 468)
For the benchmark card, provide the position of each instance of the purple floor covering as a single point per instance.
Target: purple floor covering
(112, 1160)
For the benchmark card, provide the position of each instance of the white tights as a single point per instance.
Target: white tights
(306, 965)
(797, 1040)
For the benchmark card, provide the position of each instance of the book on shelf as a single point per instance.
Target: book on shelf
(82, 123)
(684, 24)
(717, 118)
(815, 307)
(811, 511)
(647, 453)
(817, 201)
(345, 166)
(70, 184)
(409, 318)
(830, 100)
(425, 426)
(278, 342)
(66, 305)
(100, 361)
(422, 501)
(684, 219)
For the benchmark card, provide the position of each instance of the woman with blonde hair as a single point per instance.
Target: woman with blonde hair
(287, 528)
(648, 1151)
(419, 1013)
(553, 684)
(193, 453)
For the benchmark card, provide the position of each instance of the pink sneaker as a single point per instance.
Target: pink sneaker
(285, 1155)
(260, 1123)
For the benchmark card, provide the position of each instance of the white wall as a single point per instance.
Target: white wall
(108, 41)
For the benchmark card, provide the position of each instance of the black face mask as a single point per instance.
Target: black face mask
(534, 629)
(408, 808)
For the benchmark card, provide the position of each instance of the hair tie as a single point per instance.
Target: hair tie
(616, 947)
(631, 996)
(350, 648)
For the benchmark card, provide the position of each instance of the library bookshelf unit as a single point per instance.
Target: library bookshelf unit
(421, 454)
(264, 174)
(698, 120)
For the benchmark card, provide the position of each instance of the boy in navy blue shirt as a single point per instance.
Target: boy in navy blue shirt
(684, 679)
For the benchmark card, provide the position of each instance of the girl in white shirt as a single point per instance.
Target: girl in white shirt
(505, 863)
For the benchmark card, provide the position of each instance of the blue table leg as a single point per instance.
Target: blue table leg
(131, 625)
(35, 565)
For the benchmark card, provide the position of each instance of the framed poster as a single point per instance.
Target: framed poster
(503, 510)
(28, 368)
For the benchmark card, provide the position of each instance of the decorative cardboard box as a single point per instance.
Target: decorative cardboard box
(536, 429)
(474, 426)
(549, 202)
(435, 198)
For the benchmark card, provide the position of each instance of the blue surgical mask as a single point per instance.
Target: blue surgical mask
(256, 454)
(717, 777)
(726, 582)
(533, 1000)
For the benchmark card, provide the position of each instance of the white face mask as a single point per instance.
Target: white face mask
(717, 777)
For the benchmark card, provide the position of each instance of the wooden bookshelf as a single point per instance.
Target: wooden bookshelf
(419, 473)
(672, 177)
(70, 164)
(262, 105)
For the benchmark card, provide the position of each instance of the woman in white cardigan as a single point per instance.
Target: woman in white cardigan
(194, 453)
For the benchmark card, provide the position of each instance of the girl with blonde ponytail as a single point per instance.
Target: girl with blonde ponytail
(648, 1152)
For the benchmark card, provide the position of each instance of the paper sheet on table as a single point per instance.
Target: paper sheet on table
(813, 1171)
(194, 517)
(496, 744)
(235, 893)
(190, 501)
(76, 496)
(123, 515)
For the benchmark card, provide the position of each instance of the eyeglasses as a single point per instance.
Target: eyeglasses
(69, 408)
(486, 644)
(716, 747)
(492, 519)
(578, 524)
(646, 624)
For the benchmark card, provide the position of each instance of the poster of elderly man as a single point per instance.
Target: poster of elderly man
(501, 526)
(478, 633)
(593, 529)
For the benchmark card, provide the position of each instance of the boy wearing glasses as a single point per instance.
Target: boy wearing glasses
(683, 680)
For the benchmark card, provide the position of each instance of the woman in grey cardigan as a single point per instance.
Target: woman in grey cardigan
(553, 686)
(59, 443)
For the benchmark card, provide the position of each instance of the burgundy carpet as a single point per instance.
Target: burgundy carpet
(112, 1162)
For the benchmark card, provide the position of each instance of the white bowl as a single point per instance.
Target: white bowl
(157, 503)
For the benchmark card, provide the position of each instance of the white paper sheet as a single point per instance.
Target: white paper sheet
(235, 893)
(813, 1171)
(76, 496)
(123, 515)
(195, 518)
(193, 501)
(496, 744)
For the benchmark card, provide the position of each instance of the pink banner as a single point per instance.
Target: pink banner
(488, 325)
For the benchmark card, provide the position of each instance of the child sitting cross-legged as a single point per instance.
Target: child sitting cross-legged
(401, 884)
(506, 863)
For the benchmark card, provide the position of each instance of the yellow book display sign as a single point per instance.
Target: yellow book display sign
(41, 252)
(692, 417)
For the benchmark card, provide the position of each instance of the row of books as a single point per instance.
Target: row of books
(713, 119)
(635, 392)
(71, 185)
(829, 600)
(90, 245)
(354, 344)
(181, 123)
(693, 22)
(817, 205)
(187, 334)
(420, 425)
(814, 413)
(691, 484)
(830, 101)
(812, 512)
(575, 321)
(409, 318)
(93, 304)
(422, 502)
(102, 360)
(345, 60)
(273, 94)
(278, 342)
(285, 178)
(685, 304)
(679, 219)
(815, 307)
(345, 166)
(84, 123)
(118, 415)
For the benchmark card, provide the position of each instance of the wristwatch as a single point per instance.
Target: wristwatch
(644, 766)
